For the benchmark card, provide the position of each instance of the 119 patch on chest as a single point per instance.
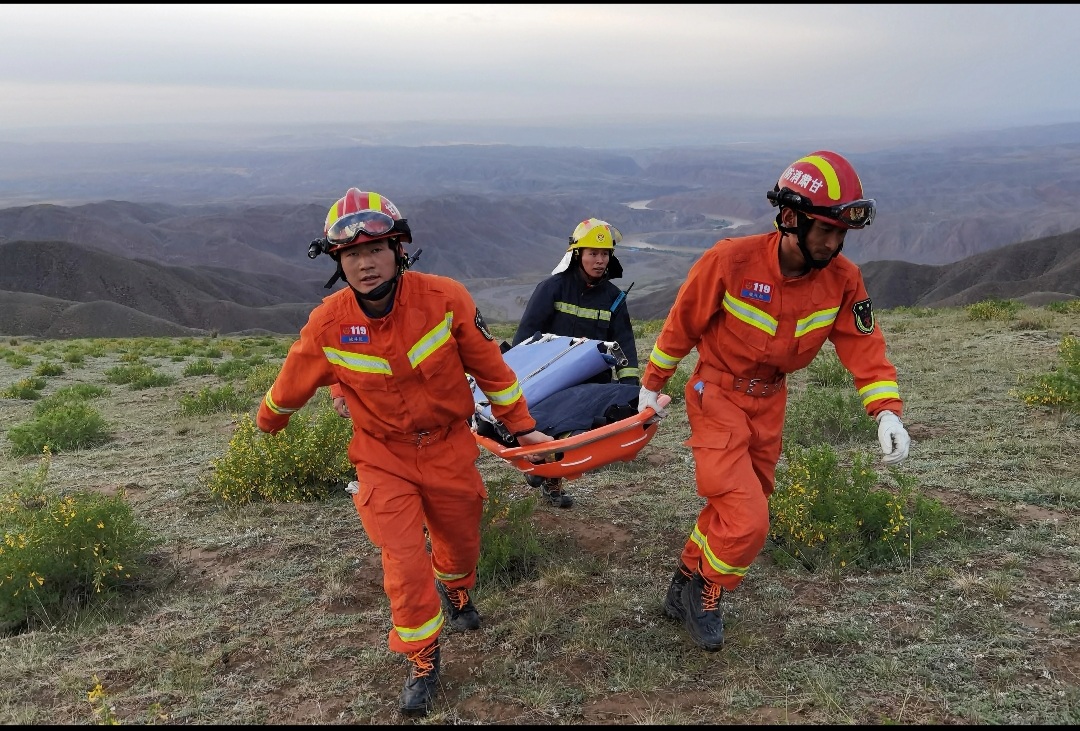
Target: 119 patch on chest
(754, 290)
(864, 316)
(355, 334)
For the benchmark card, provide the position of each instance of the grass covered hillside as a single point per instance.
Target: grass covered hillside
(161, 562)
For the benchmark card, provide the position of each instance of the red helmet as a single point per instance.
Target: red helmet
(825, 186)
(360, 217)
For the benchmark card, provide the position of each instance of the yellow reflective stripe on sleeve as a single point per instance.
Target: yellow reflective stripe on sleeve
(879, 390)
(719, 566)
(815, 320)
(750, 315)
(275, 408)
(662, 360)
(431, 342)
(628, 373)
(507, 396)
(576, 311)
(357, 361)
(423, 632)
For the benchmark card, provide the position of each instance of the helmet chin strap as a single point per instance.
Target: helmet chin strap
(799, 232)
(386, 287)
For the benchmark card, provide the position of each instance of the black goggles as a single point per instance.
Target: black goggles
(346, 229)
(855, 214)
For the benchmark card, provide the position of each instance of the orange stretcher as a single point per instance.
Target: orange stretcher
(573, 456)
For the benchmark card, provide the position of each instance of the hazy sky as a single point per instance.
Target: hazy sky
(111, 64)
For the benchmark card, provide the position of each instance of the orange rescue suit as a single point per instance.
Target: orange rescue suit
(751, 325)
(403, 379)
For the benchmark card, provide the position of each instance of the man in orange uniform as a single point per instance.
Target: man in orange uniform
(399, 344)
(757, 308)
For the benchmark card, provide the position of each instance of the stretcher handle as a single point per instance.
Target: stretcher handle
(644, 418)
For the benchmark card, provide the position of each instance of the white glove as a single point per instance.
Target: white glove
(893, 437)
(646, 399)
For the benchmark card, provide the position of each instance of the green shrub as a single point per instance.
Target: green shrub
(199, 367)
(308, 460)
(1065, 307)
(994, 309)
(69, 426)
(28, 389)
(835, 416)
(238, 368)
(48, 368)
(214, 400)
(1033, 320)
(919, 312)
(96, 348)
(74, 357)
(826, 370)
(645, 328)
(18, 360)
(676, 385)
(62, 397)
(823, 516)
(261, 378)
(138, 376)
(510, 549)
(64, 551)
(1061, 387)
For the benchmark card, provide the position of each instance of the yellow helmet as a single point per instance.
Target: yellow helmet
(592, 233)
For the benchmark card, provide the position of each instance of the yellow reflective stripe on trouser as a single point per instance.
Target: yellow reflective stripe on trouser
(879, 390)
(448, 577)
(662, 360)
(815, 320)
(628, 373)
(275, 408)
(576, 311)
(423, 632)
(749, 314)
(717, 565)
(357, 362)
(431, 341)
(507, 396)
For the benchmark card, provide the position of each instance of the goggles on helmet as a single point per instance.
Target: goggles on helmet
(855, 214)
(368, 223)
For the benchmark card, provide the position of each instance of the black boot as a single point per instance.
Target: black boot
(704, 619)
(551, 490)
(418, 695)
(458, 607)
(673, 605)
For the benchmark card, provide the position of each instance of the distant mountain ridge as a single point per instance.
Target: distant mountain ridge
(63, 290)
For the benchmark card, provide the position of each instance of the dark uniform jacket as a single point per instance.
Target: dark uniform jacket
(565, 304)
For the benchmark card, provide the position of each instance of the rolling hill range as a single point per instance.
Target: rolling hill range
(63, 290)
(214, 235)
(483, 210)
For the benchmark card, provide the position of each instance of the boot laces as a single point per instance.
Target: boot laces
(458, 597)
(423, 661)
(710, 595)
(553, 487)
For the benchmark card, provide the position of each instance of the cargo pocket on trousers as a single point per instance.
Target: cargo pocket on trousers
(362, 501)
(714, 440)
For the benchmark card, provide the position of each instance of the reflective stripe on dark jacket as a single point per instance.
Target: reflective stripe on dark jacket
(563, 304)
